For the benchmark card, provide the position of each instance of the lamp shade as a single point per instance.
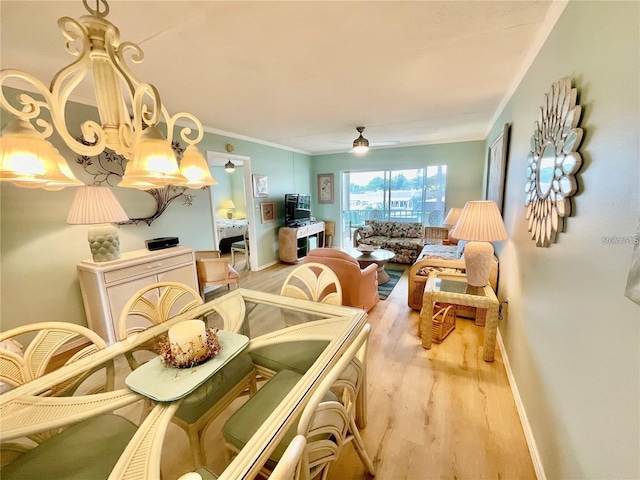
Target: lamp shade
(480, 221)
(98, 207)
(452, 217)
(195, 169)
(229, 167)
(228, 204)
(30, 161)
(95, 205)
(153, 162)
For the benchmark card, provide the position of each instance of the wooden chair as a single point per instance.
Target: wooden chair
(157, 303)
(315, 282)
(213, 270)
(327, 421)
(241, 247)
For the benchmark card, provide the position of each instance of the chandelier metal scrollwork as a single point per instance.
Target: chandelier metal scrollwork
(130, 113)
(552, 164)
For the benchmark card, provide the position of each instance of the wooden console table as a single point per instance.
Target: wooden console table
(294, 241)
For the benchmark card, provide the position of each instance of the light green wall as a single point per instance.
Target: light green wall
(571, 336)
(464, 160)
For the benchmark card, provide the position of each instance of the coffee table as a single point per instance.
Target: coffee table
(380, 257)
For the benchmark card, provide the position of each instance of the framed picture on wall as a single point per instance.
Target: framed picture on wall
(497, 162)
(325, 188)
(267, 212)
(260, 188)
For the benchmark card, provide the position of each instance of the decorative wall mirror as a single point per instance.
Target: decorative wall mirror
(552, 164)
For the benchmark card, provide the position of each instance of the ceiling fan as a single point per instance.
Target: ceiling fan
(361, 145)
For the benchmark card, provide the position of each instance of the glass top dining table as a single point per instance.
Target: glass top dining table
(264, 318)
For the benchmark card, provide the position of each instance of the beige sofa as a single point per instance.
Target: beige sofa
(404, 239)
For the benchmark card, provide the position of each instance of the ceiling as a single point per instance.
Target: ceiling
(302, 74)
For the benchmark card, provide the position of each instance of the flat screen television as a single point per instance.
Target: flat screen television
(297, 209)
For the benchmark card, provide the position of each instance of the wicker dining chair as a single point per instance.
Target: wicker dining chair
(51, 342)
(287, 468)
(327, 421)
(155, 304)
(315, 282)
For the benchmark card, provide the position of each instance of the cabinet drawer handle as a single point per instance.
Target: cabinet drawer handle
(154, 266)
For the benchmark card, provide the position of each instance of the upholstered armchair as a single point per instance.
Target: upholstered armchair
(359, 286)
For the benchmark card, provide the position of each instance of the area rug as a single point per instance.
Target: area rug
(395, 273)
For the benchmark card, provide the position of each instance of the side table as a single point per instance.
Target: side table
(453, 289)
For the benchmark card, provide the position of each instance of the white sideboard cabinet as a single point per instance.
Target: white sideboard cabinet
(107, 286)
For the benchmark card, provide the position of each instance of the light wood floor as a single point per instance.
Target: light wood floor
(442, 413)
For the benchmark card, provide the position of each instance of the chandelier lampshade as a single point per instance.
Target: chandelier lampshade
(229, 167)
(153, 162)
(194, 168)
(30, 161)
(129, 111)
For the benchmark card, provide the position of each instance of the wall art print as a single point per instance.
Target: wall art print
(497, 163)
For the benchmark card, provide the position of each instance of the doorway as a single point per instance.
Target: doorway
(238, 190)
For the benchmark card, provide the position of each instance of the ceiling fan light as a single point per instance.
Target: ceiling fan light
(229, 167)
(360, 144)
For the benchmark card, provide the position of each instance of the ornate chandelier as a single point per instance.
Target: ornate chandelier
(130, 115)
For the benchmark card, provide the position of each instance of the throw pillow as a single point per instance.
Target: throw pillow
(365, 231)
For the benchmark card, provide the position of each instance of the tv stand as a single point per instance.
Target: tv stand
(294, 241)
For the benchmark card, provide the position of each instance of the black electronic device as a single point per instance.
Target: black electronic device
(162, 242)
(297, 209)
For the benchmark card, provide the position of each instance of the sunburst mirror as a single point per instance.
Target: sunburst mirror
(552, 164)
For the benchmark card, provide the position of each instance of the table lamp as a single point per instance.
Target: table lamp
(480, 223)
(229, 205)
(98, 207)
(452, 217)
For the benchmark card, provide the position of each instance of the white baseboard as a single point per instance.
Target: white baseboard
(262, 267)
(528, 434)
